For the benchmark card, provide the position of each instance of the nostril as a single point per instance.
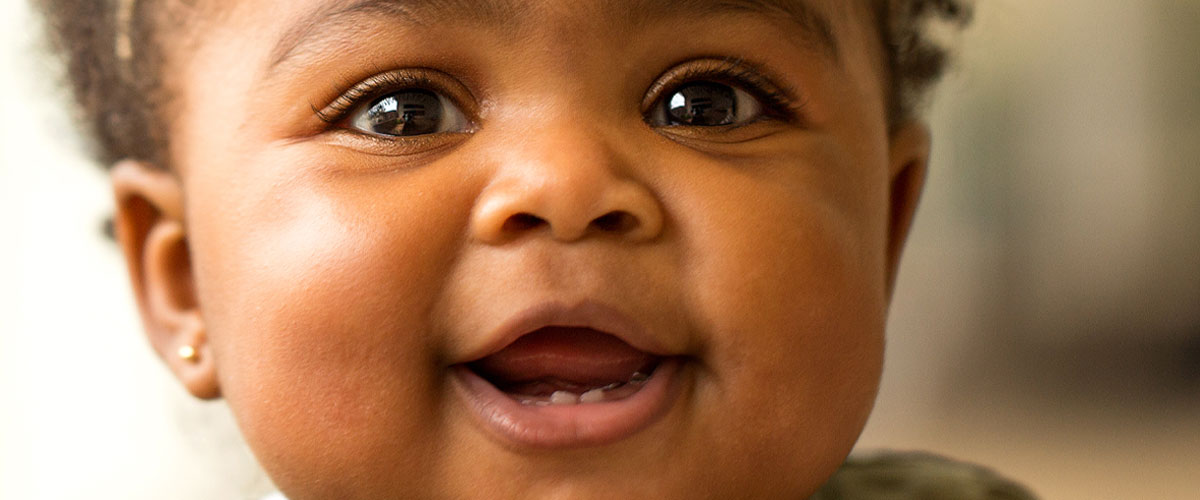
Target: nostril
(522, 222)
(616, 222)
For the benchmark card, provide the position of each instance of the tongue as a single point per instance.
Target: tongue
(575, 355)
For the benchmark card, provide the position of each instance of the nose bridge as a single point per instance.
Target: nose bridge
(565, 178)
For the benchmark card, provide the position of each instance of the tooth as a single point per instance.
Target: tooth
(638, 377)
(564, 398)
(592, 396)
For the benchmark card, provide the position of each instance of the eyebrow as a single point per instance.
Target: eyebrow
(332, 22)
(815, 26)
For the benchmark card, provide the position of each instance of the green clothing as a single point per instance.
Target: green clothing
(909, 476)
(917, 476)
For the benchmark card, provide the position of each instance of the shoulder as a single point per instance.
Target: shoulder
(917, 476)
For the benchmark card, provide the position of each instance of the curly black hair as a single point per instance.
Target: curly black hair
(113, 65)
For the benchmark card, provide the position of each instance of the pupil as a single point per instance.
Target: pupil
(408, 112)
(703, 104)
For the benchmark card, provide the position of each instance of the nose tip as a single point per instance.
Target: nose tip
(622, 210)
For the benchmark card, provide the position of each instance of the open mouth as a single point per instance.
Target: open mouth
(568, 386)
(567, 365)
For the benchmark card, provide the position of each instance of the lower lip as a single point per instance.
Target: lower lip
(569, 426)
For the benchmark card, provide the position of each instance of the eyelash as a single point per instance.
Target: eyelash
(378, 86)
(779, 102)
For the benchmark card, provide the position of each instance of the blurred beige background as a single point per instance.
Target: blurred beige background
(1046, 324)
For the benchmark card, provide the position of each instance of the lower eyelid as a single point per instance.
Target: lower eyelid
(411, 146)
(708, 138)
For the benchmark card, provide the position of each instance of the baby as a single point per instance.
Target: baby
(517, 248)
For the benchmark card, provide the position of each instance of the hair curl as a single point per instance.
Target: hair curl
(113, 65)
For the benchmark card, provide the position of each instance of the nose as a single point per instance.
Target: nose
(570, 189)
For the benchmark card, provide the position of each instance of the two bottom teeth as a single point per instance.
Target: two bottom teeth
(609, 392)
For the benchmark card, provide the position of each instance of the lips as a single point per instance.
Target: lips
(563, 377)
(558, 365)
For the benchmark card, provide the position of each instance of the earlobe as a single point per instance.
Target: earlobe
(151, 233)
(908, 162)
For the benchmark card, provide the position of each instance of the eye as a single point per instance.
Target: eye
(402, 103)
(408, 112)
(708, 96)
(706, 104)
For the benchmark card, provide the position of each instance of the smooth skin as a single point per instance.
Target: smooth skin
(329, 279)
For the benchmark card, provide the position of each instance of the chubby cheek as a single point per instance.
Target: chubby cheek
(789, 286)
(319, 290)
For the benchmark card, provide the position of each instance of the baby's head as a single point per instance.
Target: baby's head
(517, 248)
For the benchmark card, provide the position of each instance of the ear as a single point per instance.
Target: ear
(908, 160)
(151, 233)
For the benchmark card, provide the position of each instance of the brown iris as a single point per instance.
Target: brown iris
(406, 113)
(704, 104)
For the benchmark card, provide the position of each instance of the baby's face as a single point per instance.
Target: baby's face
(541, 249)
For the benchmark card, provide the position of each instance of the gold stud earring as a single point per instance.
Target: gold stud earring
(188, 353)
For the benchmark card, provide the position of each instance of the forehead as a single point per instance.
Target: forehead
(811, 20)
(312, 25)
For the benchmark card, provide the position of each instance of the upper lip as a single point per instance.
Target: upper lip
(575, 314)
